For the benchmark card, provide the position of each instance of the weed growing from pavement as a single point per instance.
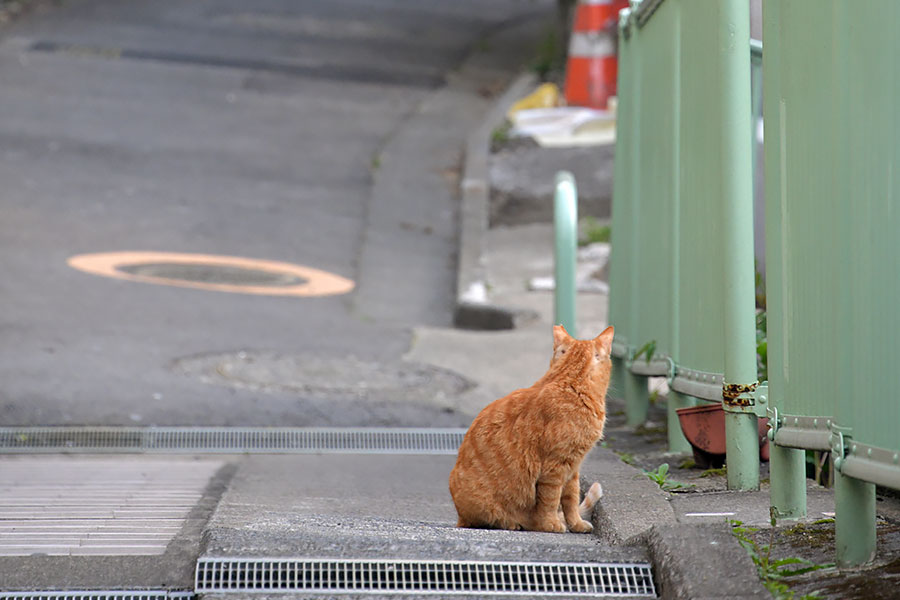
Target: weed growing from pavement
(626, 458)
(687, 463)
(500, 134)
(721, 472)
(593, 232)
(550, 56)
(660, 476)
(773, 572)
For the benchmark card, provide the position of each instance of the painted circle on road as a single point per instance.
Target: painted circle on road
(213, 272)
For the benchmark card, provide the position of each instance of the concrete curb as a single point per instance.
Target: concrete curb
(473, 309)
(615, 519)
(702, 561)
(688, 559)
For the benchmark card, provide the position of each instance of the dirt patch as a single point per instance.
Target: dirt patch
(815, 542)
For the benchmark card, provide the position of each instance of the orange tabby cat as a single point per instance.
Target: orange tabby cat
(518, 463)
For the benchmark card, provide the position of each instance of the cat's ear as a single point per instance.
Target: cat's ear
(560, 336)
(604, 340)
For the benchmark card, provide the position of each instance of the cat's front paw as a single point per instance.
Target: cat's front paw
(582, 527)
(551, 526)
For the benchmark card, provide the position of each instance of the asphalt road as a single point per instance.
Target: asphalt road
(321, 134)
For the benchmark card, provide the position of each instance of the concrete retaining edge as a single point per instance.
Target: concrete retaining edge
(688, 559)
(473, 308)
(631, 504)
(701, 562)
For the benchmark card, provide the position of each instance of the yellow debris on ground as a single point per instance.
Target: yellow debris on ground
(545, 96)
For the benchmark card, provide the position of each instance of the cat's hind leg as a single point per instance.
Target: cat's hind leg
(571, 509)
(545, 516)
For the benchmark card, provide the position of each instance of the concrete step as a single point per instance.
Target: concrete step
(347, 523)
(276, 523)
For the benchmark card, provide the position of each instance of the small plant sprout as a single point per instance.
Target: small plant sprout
(625, 457)
(773, 572)
(660, 475)
(593, 232)
(647, 350)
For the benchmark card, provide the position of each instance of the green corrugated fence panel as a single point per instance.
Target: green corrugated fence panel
(666, 276)
(656, 168)
(700, 293)
(832, 107)
(622, 274)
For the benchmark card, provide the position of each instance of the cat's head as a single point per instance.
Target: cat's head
(593, 354)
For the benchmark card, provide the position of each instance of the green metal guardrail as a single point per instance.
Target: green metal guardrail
(682, 273)
(832, 92)
(682, 265)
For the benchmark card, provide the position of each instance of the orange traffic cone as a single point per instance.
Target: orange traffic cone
(591, 67)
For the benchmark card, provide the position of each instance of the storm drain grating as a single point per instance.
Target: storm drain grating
(98, 595)
(344, 576)
(287, 440)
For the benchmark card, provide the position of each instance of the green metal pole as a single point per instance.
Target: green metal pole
(637, 398)
(617, 378)
(678, 444)
(854, 523)
(632, 389)
(787, 475)
(741, 433)
(565, 220)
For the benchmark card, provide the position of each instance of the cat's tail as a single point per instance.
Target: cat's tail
(590, 499)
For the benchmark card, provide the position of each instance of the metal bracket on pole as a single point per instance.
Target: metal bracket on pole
(839, 446)
(774, 424)
(746, 398)
(670, 373)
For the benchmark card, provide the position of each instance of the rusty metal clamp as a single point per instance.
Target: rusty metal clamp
(747, 398)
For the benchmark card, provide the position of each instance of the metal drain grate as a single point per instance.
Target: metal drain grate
(97, 506)
(98, 595)
(261, 440)
(340, 576)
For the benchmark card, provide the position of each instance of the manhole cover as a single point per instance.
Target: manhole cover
(216, 273)
(309, 374)
(206, 273)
